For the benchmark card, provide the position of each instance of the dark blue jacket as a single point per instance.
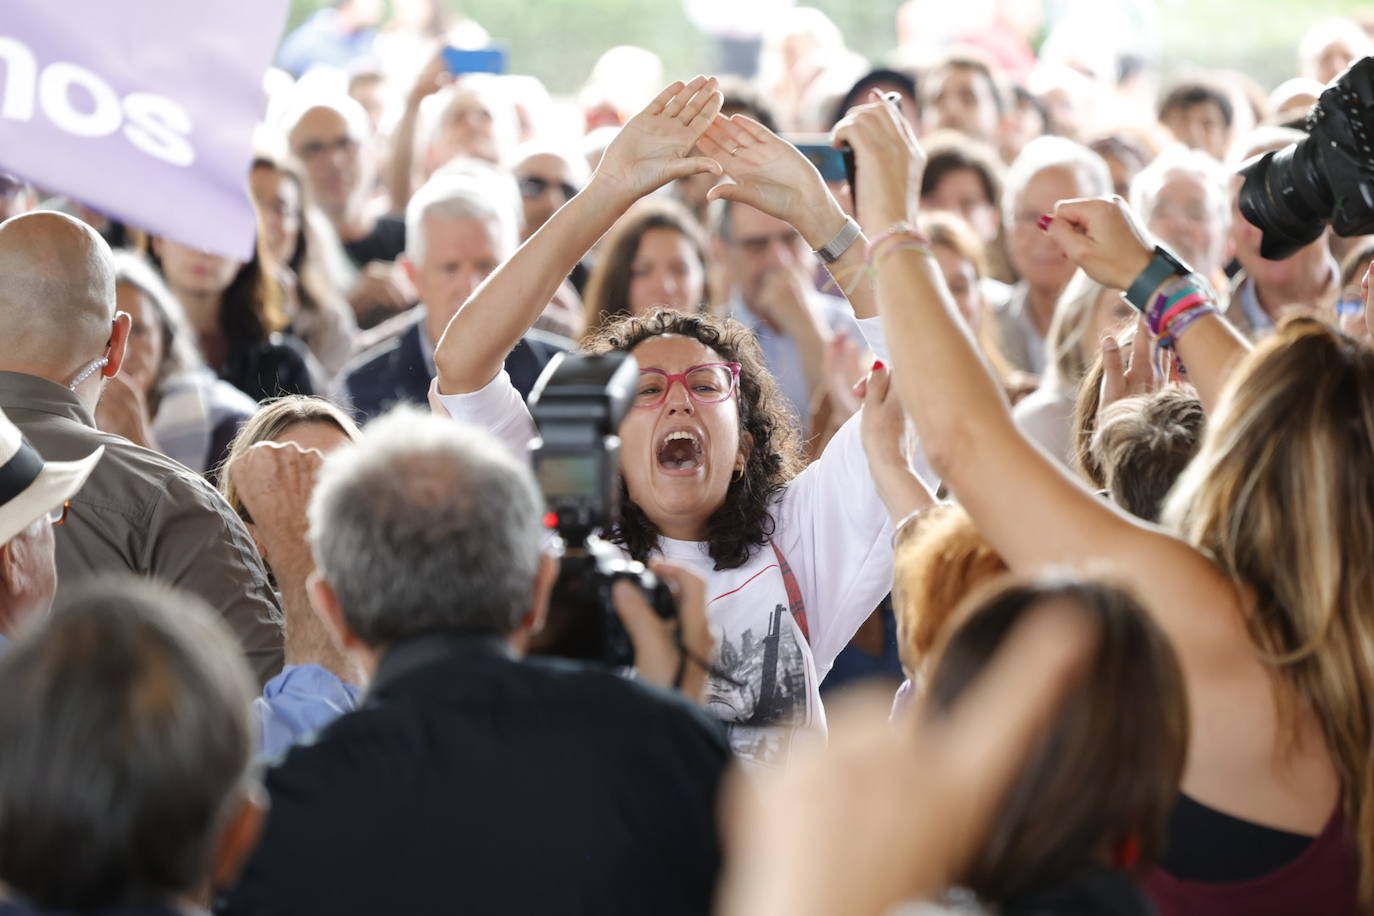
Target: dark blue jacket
(395, 371)
(472, 782)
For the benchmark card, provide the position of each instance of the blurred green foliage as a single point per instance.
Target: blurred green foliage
(559, 40)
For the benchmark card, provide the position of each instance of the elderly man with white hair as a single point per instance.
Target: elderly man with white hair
(1047, 170)
(34, 498)
(1184, 198)
(460, 226)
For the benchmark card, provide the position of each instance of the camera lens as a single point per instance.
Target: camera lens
(1286, 195)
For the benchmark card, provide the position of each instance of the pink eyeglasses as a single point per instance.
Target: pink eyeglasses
(707, 384)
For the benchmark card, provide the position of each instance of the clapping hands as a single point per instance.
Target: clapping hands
(655, 146)
(771, 175)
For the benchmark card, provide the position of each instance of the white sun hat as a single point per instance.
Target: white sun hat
(31, 487)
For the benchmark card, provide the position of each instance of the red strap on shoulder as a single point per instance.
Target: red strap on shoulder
(795, 603)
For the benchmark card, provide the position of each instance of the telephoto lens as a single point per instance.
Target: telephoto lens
(1293, 193)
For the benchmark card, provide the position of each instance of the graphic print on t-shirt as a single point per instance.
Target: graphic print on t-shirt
(769, 692)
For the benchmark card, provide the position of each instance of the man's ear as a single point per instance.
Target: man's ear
(408, 267)
(326, 604)
(120, 329)
(239, 838)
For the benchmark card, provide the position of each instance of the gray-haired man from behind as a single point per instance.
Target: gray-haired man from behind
(428, 542)
(61, 339)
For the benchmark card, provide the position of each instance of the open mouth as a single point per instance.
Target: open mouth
(680, 451)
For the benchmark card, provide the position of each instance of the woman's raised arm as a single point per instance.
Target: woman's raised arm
(1103, 237)
(1027, 507)
(652, 149)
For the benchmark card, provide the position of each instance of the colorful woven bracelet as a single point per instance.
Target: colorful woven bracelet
(1182, 322)
(1171, 296)
(903, 228)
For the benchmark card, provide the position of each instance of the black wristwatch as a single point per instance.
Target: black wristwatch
(1161, 267)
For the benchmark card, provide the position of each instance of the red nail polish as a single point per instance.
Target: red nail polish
(878, 365)
(1044, 221)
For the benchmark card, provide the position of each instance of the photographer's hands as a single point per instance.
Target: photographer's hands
(669, 653)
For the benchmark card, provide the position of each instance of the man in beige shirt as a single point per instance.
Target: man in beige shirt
(60, 340)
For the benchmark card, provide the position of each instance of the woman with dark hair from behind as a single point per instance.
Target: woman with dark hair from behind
(299, 241)
(165, 397)
(1085, 817)
(653, 257)
(236, 312)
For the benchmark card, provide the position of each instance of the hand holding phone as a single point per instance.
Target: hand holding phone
(485, 60)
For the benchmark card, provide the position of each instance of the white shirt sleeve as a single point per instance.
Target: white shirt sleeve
(497, 407)
(835, 534)
(875, 337)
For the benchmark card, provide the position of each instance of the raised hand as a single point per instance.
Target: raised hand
(655, 146)
(1126, 380)
(274, 480)
(888, 163)
(771, 175)
(1102, 236)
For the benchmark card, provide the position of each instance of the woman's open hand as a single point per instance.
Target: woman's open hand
(770, 174)
(655, 146)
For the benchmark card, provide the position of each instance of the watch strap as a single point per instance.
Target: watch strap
(1161, 267)
(837, 246)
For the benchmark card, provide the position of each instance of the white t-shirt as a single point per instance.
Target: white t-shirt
(834, 532)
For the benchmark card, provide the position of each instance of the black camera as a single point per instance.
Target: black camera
(578, 404)
(1292, 193)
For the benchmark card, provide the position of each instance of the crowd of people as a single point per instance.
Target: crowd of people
(282, 617)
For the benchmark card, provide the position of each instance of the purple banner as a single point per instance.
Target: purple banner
(142, 110)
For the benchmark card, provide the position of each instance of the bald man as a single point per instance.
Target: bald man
(60, 341)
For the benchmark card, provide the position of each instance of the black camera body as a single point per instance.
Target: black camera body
(1293, 193)
(577, 405)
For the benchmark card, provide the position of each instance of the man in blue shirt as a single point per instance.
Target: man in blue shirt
(331, 37)
(770, 270)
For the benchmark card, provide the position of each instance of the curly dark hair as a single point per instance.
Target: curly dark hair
(744, 520)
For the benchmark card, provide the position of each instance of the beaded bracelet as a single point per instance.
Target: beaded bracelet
(915, 241)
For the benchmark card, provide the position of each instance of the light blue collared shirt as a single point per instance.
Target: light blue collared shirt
(780, 351)
(299, 702)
